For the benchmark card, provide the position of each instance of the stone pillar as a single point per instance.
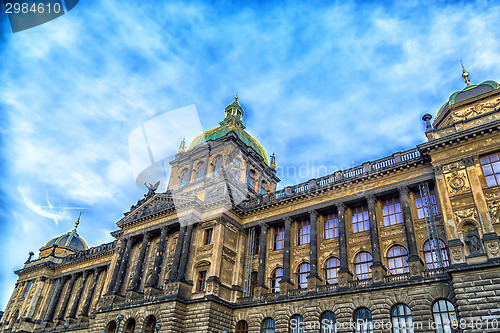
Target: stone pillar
(261, 273)
(158, 259)
(313, 279)
(446, 208)
(415, 264)
(69, 292)
(177, 255)
(123, 267)
(378, 270)
(116, 270)
(286, 283)
(76, 302)
(344, 275)
(140, 262)
(91, 293)
(185, 253)
(55, 300)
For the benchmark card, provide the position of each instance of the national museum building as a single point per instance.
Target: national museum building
(406, 243)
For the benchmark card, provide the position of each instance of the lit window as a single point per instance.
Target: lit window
(360, 221)
(28, 287)
(217, 165)
(275, 280)
(208, 236)
(331, 226)
(184, 177)
(200, 170)
(402, 321)
(391, 211)
(430, 260)
(363, 264)
(242, 327)
(302, 274)
(263, 187)
(304, 232)
(202, 279)
(251, 179)
(297, 324)
(491, 169)
(332, 270)
(328, 322)
(279, 238)
(398, 260)
(364, 321)
(268, 326)
(421, 211)
(444, 315)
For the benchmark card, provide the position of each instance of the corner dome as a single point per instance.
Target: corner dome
(232, 122)
(70, 240)
(470, 91)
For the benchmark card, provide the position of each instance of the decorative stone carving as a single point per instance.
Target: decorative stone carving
(493, 249)
(473, 241)
(494, 208)
(453, 166)
(476, 110)
(465, 214)
(457, 182)
(457, 254)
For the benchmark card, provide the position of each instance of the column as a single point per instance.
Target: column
(313, 279)
(378, 270)
(111, 286)
(414, 262)
(90, 294)
(261, 272)
(140, 262)
(185, 253)
(123, 267)
(286, 283)
(177, 255)
(76, 302)
(158, 259)
(55, 300)
(69, 292)
(344, 274)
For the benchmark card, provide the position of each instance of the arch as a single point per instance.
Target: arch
(130, 325)
(401, 318)
(241, 327)
(328, 322)
(276, 276)
(149, 324)
(332, 266)
(297, 324)
(429, 260)
(363, 320)
(397, 259)
(202, 264)
(362, 265)
(444, 315)
(111, 327)
(217, 165)
(302, 273)
(268, 325)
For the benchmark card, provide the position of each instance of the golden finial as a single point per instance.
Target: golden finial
(273, 162)
(236, 98)
(77, 222)
(465, 75)
(182, 147)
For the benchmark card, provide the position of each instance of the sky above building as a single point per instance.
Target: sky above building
(324, 87)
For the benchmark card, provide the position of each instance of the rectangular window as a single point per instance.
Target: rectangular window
(360, 221)
(279, 238)
(304, 232)
(256, 245)
(202, 278)
(491, 169)
(331, 226)
(391, 211)
(208, 236)
(27, 289)
(421, 212)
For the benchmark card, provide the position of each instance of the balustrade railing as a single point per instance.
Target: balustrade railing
(396, 277)
(270, 295)
(360, 283)
(297, 292)
(327, 288)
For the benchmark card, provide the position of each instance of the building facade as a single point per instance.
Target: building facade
(410, 240)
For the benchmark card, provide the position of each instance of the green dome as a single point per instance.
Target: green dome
(70, 240)
(232, 122)
(470, 91)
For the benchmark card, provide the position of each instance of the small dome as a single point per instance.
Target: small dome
(470, 91)
(70, 240)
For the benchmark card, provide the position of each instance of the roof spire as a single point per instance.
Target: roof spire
(465, 75)
(236, 98)
(273, 162)
(77, 222)
(182, 147)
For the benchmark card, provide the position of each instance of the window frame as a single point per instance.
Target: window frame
(252, 179)
(217, 165)
(428, 254)
(303, 271)
(200, 171)
(333, 270)
(331, 226)
(421, 212)
(275, 280)
(495, 176)
(207, 236)
(279, 238)
(239, 329)
(367, 316)
(300, 327)
(361, 274)
(401, 258)
(364, 222)
(399, 320)
(201, 281)
(268, 325)
(303, 232)
(183, 178)
(391, 211)
(451, 315)
(331, 326)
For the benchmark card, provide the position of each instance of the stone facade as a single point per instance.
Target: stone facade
(223, 250)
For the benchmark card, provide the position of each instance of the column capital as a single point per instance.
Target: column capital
(371, 199)
(404, 191)
(263, 226)
(469, 161)
(438, 169)
(313, 214)
(287, 219)
(341, 207)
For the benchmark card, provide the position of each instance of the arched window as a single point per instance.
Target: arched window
(184, 177)
(363, 264)
(242, 327)
(200, 171)
(363, 321)
(398, 260)
(302, 274)
(331, 270)
(150, 323)
(251, 179)
(297, 324)
(268, 325)
(328, 322)
(275, 280)
(130, 325)
(402, 321)
(444, 315)
(263, 187)
(432, 262)
(217, 165)
(111, 327)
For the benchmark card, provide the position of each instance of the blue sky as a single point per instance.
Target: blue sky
(332, 84)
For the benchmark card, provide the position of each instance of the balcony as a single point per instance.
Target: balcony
(327, 288)
(297, 292)
(396, 278)
(360, 283)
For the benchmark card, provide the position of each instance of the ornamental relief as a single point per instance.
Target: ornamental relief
(359, 239)
(457, 182)
(328, 244)
(453, 166)
(392, 231)
(476, 110)
(466, 214)
(493, 201)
